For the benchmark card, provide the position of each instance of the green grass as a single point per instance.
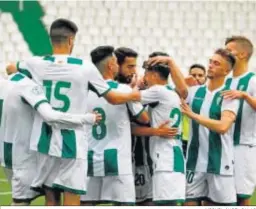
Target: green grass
(5, 187)
(6, 198)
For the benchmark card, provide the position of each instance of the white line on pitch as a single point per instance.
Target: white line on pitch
(5, 193)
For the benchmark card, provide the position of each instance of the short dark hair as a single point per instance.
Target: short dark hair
(123, 52)
(155, 54)
(162, 69)
(100, 53)
(61, 29)
(244, 42)
(197, 66)
(227, 56)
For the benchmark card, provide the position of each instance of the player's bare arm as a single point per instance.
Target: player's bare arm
(175, 73)
(220, 126)
(143, 118)
(162, 131)
(115, 98)
(235, 94)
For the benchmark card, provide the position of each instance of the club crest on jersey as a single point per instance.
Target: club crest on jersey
(37, 90)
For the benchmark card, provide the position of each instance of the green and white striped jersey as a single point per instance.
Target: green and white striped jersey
(245, 126)
(110, 141)
(208, 151)
(66, 82)
(164, 105)
(16, 96)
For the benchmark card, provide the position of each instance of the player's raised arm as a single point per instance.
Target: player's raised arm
(175, 73)
(221, 126)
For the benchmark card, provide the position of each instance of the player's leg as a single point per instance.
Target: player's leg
(196, 188)
(46, 172)
(169, 188)
(143, 186)
(119, 190)
(71, 179)
(245, 173)
(21, 181)
(52, 196)
(93, 195)
(222, 190)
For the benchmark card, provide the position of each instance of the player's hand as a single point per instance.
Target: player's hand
(98, 117)
(159, 59)
(11, 68)
(191, 81)
(233, 94)
(134, 80)
(186, 110)
(165, 131)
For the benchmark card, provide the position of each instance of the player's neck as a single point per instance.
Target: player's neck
(60, 50)
(240, 69)
(215, 83)
(161, 82)
(107, 76)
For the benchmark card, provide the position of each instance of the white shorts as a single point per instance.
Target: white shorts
(168, 187)
(8, 174)
(21, 181)
(245, 170)
(110, 188)
(68, 175)
(219, 189)
(143, 183)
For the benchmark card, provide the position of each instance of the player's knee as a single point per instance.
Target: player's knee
(191, 203)
(71, 199)
(243, 202)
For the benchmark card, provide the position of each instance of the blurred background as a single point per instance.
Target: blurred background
(187, 30)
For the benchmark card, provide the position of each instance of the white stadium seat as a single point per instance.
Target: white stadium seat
(189, 30)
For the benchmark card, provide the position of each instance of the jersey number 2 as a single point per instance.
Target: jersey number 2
(57, 93)
(175, 115)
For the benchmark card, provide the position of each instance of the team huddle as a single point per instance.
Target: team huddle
(97, 133)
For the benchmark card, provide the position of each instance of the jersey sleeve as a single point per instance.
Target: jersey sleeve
(32, 93)
(54, 117)
(230, 105)
(150, 95)
(191, 93)
(23, 67)
(135, 108)
(96, 82)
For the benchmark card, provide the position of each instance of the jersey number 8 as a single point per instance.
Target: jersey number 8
(99, 131)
